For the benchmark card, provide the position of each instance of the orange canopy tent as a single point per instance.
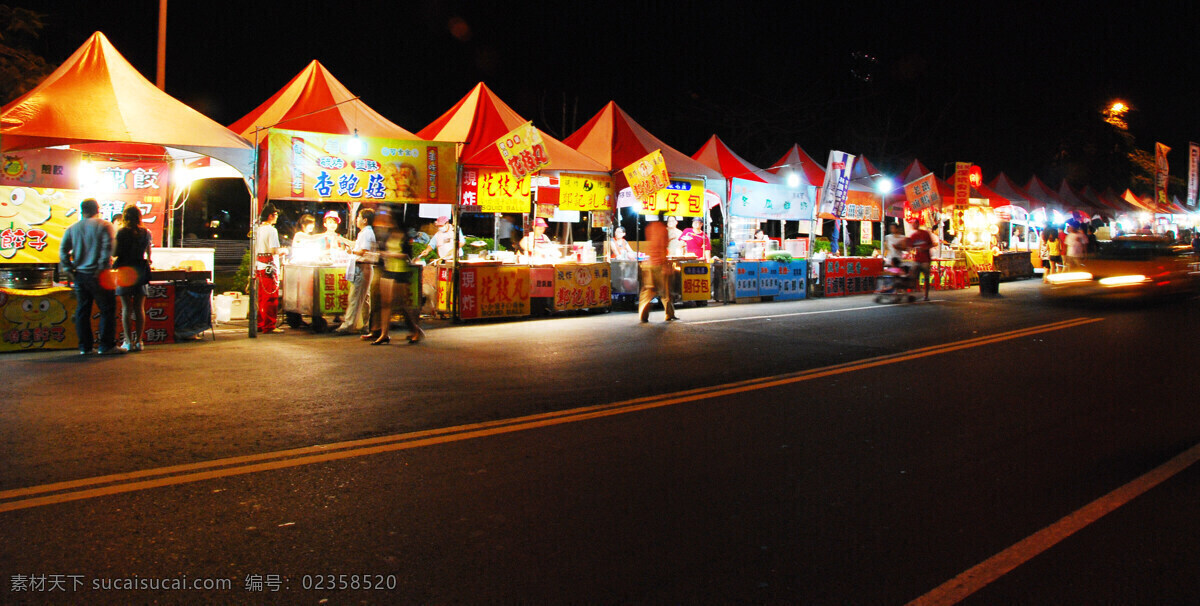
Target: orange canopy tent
(615, 140)
(317, 102)
(480, 118)
(97, 96)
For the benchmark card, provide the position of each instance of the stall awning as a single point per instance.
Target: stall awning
(97, 96)
(717, 156)
(814, 172)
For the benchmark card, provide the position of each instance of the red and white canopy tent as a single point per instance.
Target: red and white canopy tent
(101, 106)
(798, 159)
(615, 140)
(481, 118)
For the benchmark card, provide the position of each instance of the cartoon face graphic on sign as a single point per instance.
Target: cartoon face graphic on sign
(22, 208)
(36, 316)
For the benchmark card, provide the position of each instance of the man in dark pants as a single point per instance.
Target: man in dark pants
(86, 251)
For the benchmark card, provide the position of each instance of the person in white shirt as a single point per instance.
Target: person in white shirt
(266, 247)
(1076, 243)
(442, 243)
(358, 274)
(894, 245)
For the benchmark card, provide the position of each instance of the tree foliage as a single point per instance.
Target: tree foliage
(21, 69)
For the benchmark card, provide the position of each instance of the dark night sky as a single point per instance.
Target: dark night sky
(992, 83)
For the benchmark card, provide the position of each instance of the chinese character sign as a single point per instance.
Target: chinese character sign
(32, 222)
(586, 192)
(962, 183)
(57, 168)
(37, 319)
(1161, 173)
(344, 168)
(837, 183)
(769, 201)
(117, 185)
(495, 191)
(647, 175)
(1193, 166)
(523, 151)
(922, 193)
(582, 286)
(494, 291)
(680, 198)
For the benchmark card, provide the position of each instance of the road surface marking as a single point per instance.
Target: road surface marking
(957, 589)
(73, 490)
(802, 313)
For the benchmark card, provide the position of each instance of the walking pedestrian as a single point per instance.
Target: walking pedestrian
(920, 241)
(86, 251)
(1076, 245)
(133, 263)
(358, 274)
(655, 275)
(395, 285)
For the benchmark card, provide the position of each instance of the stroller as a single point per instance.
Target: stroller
(895, 284)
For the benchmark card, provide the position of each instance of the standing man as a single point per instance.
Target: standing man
(655, 280)
(266, 246)
(920, 241)
(358, 274)
(86, 251)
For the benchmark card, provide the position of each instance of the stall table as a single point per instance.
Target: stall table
(315, 291)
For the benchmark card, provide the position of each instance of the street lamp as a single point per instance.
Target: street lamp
(1114, 114)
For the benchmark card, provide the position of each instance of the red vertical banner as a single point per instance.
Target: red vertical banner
(962, 183)
(1161, 173)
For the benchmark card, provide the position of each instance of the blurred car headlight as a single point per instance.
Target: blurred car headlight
(1069, 277)
(1124, 280)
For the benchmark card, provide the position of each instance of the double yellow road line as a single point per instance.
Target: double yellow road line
(87, 488)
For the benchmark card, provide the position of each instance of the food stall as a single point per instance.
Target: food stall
(760, 269)
(841, 275)
(311, 167)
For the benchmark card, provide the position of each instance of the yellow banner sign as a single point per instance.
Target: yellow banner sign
(586, 192)
(582, 286)
(495, 191)
(37, 319)
(523, 150)
(647, 175)
(345, 168)
(32, 223)
(681, 198)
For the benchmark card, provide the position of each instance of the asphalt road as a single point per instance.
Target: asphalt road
(824, 451)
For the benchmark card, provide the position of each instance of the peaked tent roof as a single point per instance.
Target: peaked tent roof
(97, 96)
(1114, 200)
(615, 140)
(814, 172)
(716, 155)
(480, 118)
(317, 102)
(1016, 195)
(1043, 196)
(1075, 201)
(1139, 203)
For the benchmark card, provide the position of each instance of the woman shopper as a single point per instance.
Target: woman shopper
(395, 284)
(133, 252)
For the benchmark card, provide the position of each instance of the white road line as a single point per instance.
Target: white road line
(960, 587)
(802, 313)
